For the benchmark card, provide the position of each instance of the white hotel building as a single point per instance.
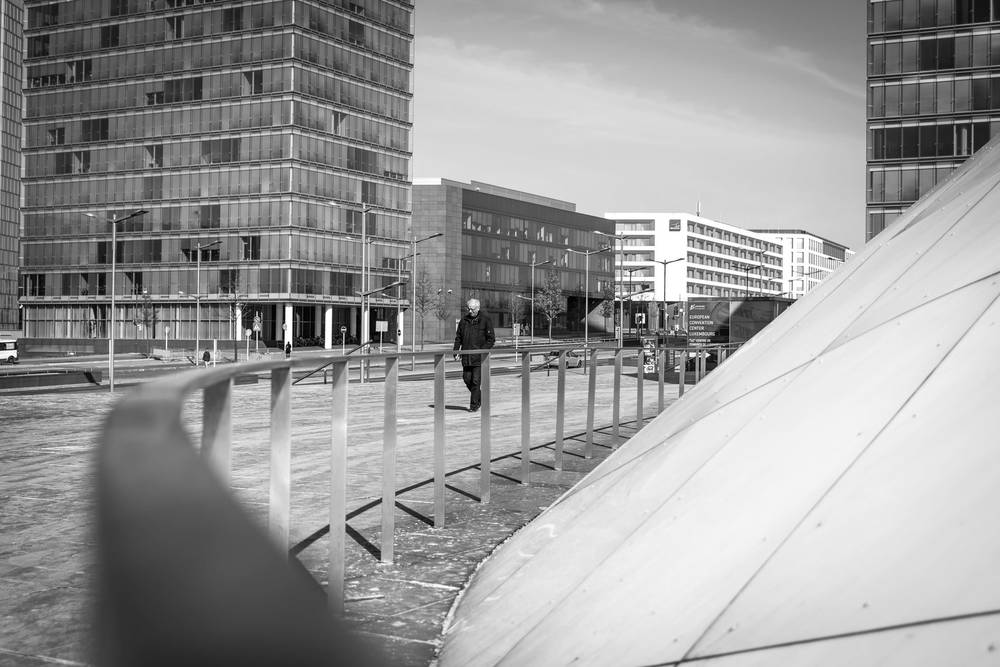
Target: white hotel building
(681, 255)
(808, 258)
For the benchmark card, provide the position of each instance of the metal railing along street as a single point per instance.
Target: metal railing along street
(153, 489)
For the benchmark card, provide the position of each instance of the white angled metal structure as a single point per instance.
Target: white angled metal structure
(828, 496)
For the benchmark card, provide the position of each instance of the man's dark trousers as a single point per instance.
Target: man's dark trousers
(473, 375)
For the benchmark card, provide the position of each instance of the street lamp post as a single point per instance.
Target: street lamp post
(413, 301)
(664, 262)
(586, 291)
(618, 272)
(631, 285)
(533, 265)
(114, 221)
(197, 298)
(747, 269)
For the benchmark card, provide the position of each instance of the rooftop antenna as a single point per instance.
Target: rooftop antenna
(698, 209)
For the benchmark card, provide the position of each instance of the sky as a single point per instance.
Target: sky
(754, 108)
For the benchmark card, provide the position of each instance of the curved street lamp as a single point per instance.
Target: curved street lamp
(586, 292)
(114, 221)
(664, 262)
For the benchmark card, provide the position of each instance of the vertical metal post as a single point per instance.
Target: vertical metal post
(217, 428)
(682, 375)
(281, 456)
(560, 409)
(439, 440)
(485, 439)
(640, 377)
(389, 460)
(338, 485)
(591, 400)
(617, 399)
(526, 418)
(661, 365)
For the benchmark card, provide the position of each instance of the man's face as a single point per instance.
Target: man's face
(473, 307)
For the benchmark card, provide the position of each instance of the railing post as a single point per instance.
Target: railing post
(682, 372)
(439, 440)
(338, 485)
(617, 399)
(640, 378)
(389, 460)
(281, 456)
(560, 409)
(588, 452)
(526, 418)
(217, 428)
(661, 366)
(485, 438)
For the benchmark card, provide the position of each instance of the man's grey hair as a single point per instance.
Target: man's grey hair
(472, 301)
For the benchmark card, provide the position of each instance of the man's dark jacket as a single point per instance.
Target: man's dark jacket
(474, 333)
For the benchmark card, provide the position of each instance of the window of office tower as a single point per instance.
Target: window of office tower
(890, 15)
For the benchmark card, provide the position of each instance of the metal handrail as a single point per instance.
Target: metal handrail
(155, 494)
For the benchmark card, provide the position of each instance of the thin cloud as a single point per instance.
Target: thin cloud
(803, 62)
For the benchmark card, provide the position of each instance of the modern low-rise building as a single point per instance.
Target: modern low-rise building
(267, 142)
(807, 258)
(666, 258)
(495, 244)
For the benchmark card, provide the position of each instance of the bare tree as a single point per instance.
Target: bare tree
(424, 301)
(550, 301)
(608, 305)
(441, 308)
(514, 307)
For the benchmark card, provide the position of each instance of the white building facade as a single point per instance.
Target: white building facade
(677, 255)
(808, 259)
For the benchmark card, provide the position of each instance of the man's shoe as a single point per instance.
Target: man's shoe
(473, 408)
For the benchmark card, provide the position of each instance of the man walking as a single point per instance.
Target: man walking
(475, 332)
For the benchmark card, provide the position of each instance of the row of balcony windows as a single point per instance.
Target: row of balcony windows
(893, 15)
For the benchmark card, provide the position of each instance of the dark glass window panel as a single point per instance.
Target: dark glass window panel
(928, 54)
(963, 51)
(910, 56)
(963, 94)
(980, 134)
(928, 97)
(878, 16)
(911, 14)
(928, 13)
(980, 94)
(945, 140)
(995, 49)
(891, 101)
(928, 141)
(981, 11)
(946, 12)
(980, 50)
(878, 59)
(909, 99)
(878, 101)
(877, 186)
(908, 185)
(911, 141)
(945, 96)
(892, 185)
(876, 223)
(878, 144)
(963, 11)
(893, 14)
(995, 92)
(925, 181)
(946, 53)
(963, 138)
(893, 52)
(893, 142)
(996, 10)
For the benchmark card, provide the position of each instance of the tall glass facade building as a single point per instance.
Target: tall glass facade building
(11, 50)
(264, 138)
(933, 95)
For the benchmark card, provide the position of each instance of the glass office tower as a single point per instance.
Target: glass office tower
(11, 40)
(933, 95)
(264, 138)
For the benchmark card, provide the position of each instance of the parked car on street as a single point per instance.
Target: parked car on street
(573, 360)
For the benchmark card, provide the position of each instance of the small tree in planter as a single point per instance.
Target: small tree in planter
(550, 301)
